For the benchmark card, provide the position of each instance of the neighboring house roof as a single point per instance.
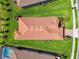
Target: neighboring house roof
(1, 52)
(33, 54)
(23, 3)
(77, 4)
(39, 28)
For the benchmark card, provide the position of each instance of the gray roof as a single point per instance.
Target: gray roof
(77, 3)
(23, 3)
(26, 54)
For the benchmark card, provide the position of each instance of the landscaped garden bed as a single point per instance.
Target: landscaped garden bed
(3, 22)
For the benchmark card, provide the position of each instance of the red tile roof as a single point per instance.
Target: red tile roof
(39, 28)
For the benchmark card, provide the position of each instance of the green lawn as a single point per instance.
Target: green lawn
(56, 8)
(53, 8)
(62, 47)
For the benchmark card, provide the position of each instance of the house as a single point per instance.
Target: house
(0, 52)
(39, 28)
(33, 54)
(77, 4)
(25, 3)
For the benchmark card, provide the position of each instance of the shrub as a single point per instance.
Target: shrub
(7, 4)
(7, 19)
(9, 10)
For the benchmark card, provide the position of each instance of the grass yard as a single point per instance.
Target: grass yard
(62, 47)
(56, 8)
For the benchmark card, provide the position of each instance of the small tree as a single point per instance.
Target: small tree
(1, 31)
(7, 19)
(61, 21)
(6, 24)
(9, 10)
(7, 4)
(7, 31)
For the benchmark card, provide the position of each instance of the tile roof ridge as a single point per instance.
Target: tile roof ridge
(20, 2)
(23, 20)
(50, 30)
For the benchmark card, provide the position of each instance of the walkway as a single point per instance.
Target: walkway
(69, 32)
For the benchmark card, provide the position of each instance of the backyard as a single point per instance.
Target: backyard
(60, 8)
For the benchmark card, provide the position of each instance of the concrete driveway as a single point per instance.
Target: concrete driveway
(69, 32)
